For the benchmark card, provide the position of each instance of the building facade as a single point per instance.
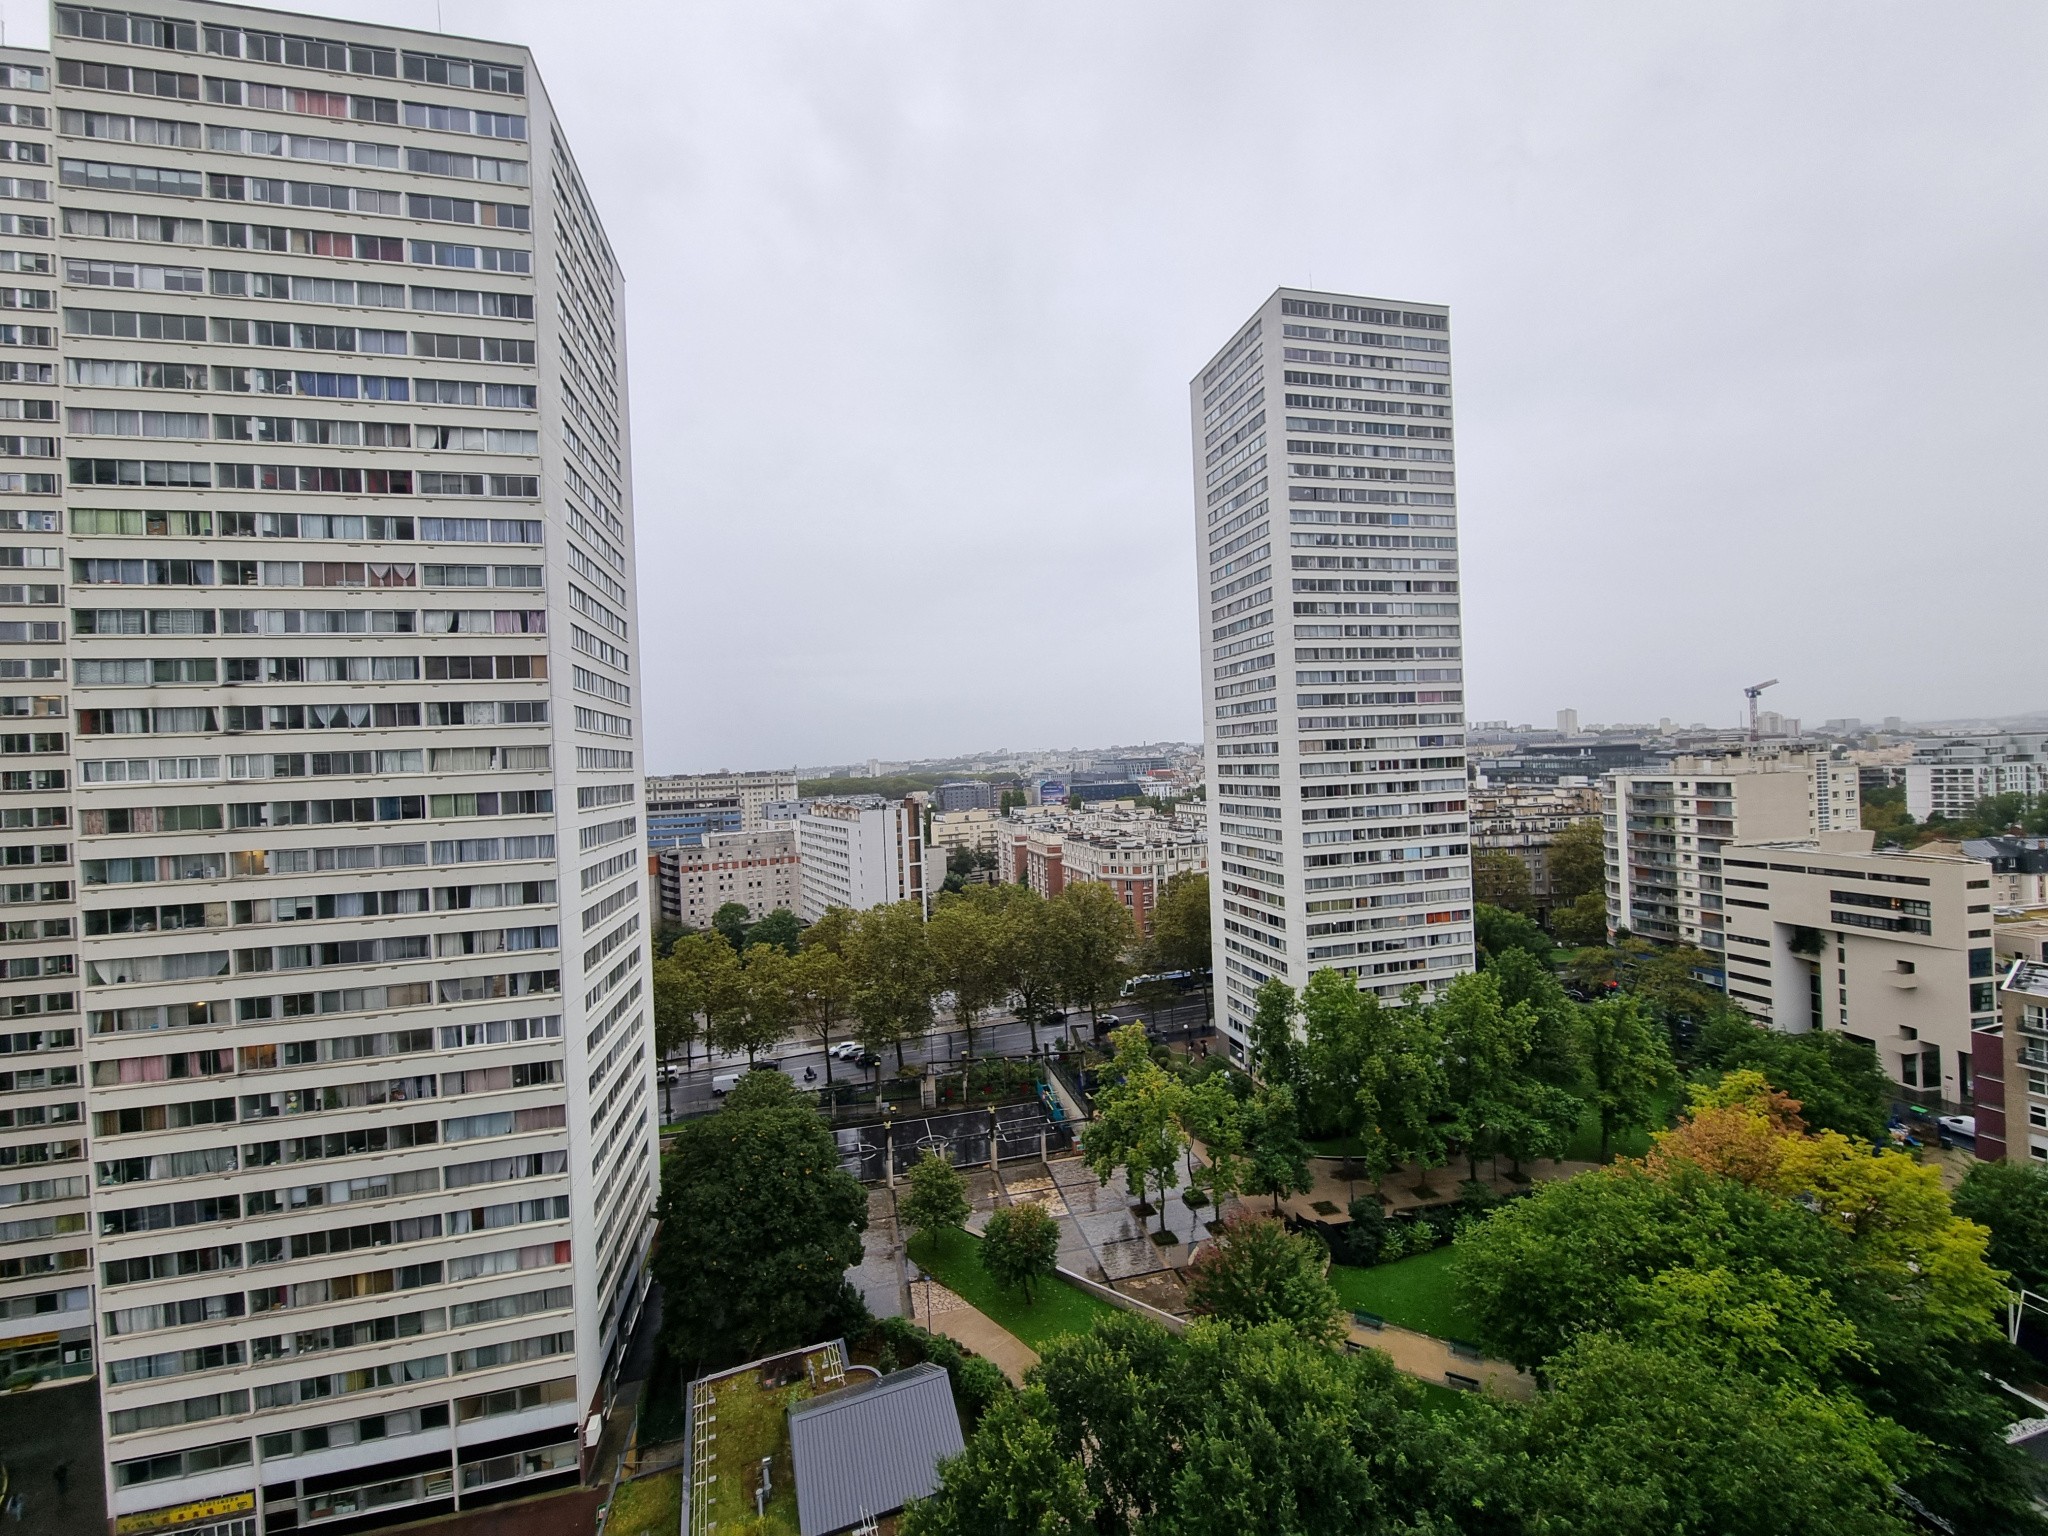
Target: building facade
(1665, 831)
(1948, 776)
(1132, 852)
(1333, 696)
(1525, 819)
(350, 861)
(2019, 869)
(964, 795)
(1894, 949)
(977, 831)
(861, 851)
(756, 869)
(683, 807)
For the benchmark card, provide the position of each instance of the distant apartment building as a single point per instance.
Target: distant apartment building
(1665, 831)
(2010, 1085)
(2019, 869)
(862, 851)
(978, 831)
(964, 795)
(1525, 819)
(1568, 722)
(1949, 775)
(757, 869)
(1894, 949)
(1134, 853)
(683, 807)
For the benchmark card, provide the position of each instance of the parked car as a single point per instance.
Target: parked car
(1962, 1126)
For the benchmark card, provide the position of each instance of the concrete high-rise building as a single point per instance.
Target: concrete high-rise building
(321, 626)
(861, 851)
(1333, 695)
(1568, 722)
(683, 807)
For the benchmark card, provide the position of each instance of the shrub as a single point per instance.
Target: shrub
(977, 1383)
(1358, 1241)
(1393, 1241)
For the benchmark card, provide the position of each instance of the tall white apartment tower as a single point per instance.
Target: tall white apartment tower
(327, 1030)
(1333, 695)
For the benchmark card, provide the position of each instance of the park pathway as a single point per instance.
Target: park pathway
(938, 1310)
(1431, 1359)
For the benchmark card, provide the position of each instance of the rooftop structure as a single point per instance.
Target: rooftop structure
(863, 1452)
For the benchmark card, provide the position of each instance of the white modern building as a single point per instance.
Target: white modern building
(756, 869)
(1894, 949)
(1333, 693)
(322, 619)
(861, 851)
(1949, 775)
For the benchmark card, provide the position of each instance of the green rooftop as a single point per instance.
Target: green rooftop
(738, 1418)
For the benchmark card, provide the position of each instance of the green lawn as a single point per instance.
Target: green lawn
(954, 1260)
(1585, 1142)
(1410, 1293)
(648, 1506)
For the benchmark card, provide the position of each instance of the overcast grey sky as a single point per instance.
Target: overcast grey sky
(1748, 320)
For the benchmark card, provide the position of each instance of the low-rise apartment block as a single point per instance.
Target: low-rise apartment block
(1891, 948)
(978, 831)
(757, 869)
(1132, 852)
(2019, 869)
(1525, 819)
(861, 851)
(683, 807)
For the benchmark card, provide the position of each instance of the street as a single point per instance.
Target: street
(998, 1035)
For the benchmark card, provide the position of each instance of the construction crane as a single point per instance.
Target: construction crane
(1751, 693)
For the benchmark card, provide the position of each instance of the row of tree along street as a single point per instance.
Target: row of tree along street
(877, 976)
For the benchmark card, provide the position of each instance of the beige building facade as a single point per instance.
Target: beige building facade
(1525, 819)
(1892, 948)
(756, 869)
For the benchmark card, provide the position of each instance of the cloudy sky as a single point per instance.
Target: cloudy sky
(1747, 313)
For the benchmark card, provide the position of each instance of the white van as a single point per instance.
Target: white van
(723, 1084)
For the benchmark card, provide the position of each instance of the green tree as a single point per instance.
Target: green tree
(1010, 800)
(1582, 922)
(1020, 1246)
(675, 1017)
(770, 1006)
(1488, 1089)
(821, 991)
(1211, 1114)
(1578, 863)
(894, 980)
(1500, 879)
(731, 922)
(1276, 1034)
(833, 930)
(1027, 959)
(1414, 1103)
(1092, 934)
(1137, 1120)
(965, 941)
(1276, 1158)
(779, 928)
(937, 1201)
(1628, 1064)
(710, 985)
(2011, 1199)
(1630, 1439)
(1836, 1079)
(762, 1088)
(1499, 931)
(758, 1227)
(1129, 1431)
(1179, 937)
(1257, 1272)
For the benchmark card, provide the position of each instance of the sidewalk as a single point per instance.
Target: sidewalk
(938, 1310)
(1430, 1359)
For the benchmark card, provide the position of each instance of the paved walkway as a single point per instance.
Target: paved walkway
(1430, 1359)
(938, 1310)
